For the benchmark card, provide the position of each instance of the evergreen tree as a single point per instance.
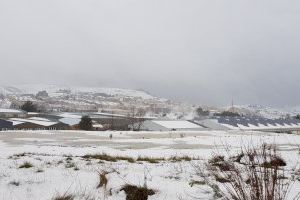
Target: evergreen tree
(28, 106)
(86, 123)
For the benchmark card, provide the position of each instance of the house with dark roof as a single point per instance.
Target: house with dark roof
(37, 123)
(5, 125)
(8, 113)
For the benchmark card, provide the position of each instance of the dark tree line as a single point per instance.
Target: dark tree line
(201, 112)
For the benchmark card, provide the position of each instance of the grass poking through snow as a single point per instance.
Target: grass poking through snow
(109, 158)
(64, 197)
(105, 157)
(26, 165)
(150, 159)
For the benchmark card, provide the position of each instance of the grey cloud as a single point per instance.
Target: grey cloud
(206, 51)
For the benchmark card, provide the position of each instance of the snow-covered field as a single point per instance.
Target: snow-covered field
(59, 166)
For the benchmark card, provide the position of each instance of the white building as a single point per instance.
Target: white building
(8, 113)
(170, 125)
(251, 124)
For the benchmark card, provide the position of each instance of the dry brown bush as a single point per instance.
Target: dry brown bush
(137, 193)
(103, 181)
(253, 174)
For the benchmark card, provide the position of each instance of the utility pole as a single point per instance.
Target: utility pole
(112, 120)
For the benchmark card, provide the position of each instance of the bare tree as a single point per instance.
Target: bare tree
(140, 119)
(136, 118)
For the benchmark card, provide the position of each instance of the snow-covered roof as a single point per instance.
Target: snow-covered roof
(39, 119)
(177, 124)
(16, 122)
(97, 126)
(33, 113)
(38, 122)
(6, 110)
(257, 123)
(70, 121)
(108, 114)
(70, 115)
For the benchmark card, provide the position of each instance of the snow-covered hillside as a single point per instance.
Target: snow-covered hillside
(267, 112)
(53, 89)
(70, 99)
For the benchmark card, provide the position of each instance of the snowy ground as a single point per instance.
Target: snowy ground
(58, 166)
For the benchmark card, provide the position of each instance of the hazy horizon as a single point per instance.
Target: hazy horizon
(205, 52)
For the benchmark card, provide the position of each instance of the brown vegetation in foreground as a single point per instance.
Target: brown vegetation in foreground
(253, 174)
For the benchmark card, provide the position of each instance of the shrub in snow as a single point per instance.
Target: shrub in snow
(64, 197)
(137, 193)
(26, 165)
(254, 173)
(28, 106)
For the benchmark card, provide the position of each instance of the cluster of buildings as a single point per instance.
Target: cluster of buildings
(11, 119)
(251, 124)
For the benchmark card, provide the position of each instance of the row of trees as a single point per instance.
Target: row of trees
(204, 113)
(136, 118)
(134, 121)
(201, 112)
(28, 106)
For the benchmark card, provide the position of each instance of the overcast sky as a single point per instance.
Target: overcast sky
(202, 51)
